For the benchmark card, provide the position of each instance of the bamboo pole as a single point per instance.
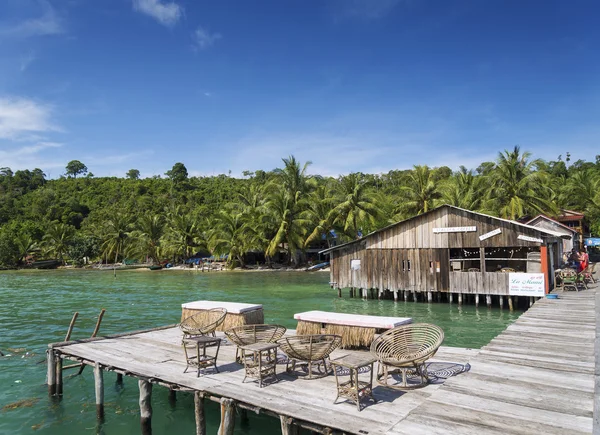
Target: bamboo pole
(71, 325)
(199, 413)
(99, 387)
(227, 417)
(145, 406)
(51, 372)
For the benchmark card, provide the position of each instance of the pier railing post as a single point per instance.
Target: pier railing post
(99, 387)
(145, 406)
(199, 413)
(51, 358)
(227, 417)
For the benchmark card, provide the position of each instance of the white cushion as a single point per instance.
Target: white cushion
(379, 322)
(231, 307)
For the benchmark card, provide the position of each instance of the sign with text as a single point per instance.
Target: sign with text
(354, 264)
(529, 239)
(490, 234)
(526, 284)
(455, 230)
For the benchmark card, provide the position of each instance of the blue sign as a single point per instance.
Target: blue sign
(593, 241)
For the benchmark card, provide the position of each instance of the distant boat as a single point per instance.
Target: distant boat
(155, 267)
(45, 264)
(318, 266)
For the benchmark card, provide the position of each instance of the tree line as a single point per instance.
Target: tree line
(79, 217)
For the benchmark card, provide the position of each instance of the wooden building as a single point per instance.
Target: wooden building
(571, 239)
(448, 250)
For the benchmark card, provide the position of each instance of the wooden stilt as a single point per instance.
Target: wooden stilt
(339, 292)
(287, 426)
(372, 293)
(199, 413)
(439, 296)
(99, 387)
(488, 301)
(172, 398)
(145, 406)
(429, 297)
(477, 300)
(531, 301)
(244, 420)
(510, 303)
(59, 376)
(227, 417)
(119, 379)
(350, 292)
(501, 301)
(460, 299)
(450, 298)
(395, 295)
(415, 297)
(50, 357)
(405, 295)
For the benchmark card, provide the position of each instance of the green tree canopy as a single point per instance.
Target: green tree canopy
(75, 168)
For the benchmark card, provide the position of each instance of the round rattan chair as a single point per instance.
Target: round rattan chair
(308, 350)
(204, 322)
(250, 334)
(406, 348)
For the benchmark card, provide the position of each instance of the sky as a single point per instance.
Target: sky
(349, 85)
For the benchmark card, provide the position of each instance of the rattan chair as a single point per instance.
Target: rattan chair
(250, 334)
(204, 322)
(308, 350)
(405, 348)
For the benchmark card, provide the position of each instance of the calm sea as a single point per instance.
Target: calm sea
(36, 308)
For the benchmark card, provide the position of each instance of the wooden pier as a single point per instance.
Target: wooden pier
(536, 377)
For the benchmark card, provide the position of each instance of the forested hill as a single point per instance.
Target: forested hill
(79, 215)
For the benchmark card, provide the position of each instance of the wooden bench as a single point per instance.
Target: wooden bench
(238, 314)
(356, 330)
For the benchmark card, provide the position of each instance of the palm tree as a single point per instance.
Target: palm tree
(286, 202)
(231, 236)
(421, 192)
(582, 192)
(184, 235)
(516, 188)
(147, 237)
(26, 246)
(57, 238)
(317, 213)
(356, 209)
(463, 190)
(114, 235)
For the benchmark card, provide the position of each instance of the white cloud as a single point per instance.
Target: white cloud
(21, 117)
(49, 23)
(204, 39)
(165, 13)
(31, 156)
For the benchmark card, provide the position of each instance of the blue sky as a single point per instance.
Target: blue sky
(352, 85)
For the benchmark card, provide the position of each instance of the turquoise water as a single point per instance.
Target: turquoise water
(36, 308)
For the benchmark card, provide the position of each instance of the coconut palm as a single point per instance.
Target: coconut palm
(516, 188)
(57, 238)
(114, 235)
(26, 246)
(147, 236)
(356, 209)
(420, 192)
(231, 236)
(463, 190)
(183, 236)
(317, 213)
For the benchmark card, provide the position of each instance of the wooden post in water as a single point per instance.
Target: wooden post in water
(59, 376)
(99, 387)
(119, 379)
(71, 325)
(476, 299)
(501, 301)
(488, 301)
(172, 398)
(450, 297)
(415, 297)
(227, 417)
(405, 295)
(395, 295)
(199, 413)
(287, 426)
(339, 292)
(429, 297)
(530, 301)
(51, 372)
(145, 406)
(460, 299)
(510, 303)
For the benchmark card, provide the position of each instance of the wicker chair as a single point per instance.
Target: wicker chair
(406, 348)
(309, 349)
(204, 322)
(250, 334)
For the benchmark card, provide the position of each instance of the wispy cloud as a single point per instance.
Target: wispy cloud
(49, 23)
(203, 39)
(20, 117)
(166, 13)
(38, 155)
(27, 60)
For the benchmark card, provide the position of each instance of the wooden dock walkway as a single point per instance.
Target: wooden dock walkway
(536, 377)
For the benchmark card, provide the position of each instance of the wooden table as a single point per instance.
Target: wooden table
(260, 361)
(238, 314)
(356, 330)
(354, 389)
(200, 360)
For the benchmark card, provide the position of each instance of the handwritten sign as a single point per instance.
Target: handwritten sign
(530, 239)
(526, 284)
(354, 264)
(490, 234)
(454, 230)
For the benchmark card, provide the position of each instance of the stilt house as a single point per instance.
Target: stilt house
(450, 250)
